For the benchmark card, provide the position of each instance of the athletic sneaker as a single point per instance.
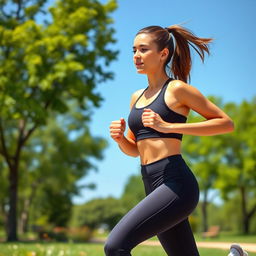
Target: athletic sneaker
(236, 250)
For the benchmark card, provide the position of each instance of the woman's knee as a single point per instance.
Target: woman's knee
(111, 249)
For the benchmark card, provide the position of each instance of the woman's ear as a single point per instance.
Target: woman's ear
(164, 54)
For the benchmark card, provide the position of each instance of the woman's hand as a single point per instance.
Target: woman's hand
(153, 120)
(117, 129)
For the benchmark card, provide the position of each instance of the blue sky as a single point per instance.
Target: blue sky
(229, 72)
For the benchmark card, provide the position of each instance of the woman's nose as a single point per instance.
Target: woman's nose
(136, 54)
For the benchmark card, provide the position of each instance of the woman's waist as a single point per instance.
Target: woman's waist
(167, 166)
(154, 149)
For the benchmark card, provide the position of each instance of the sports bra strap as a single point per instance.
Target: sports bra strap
(139, 96)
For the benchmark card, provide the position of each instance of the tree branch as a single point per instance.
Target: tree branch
(22, 125)
(28, 134)
(4, 150)
(24, 136)
(252, 211)
(19, 9)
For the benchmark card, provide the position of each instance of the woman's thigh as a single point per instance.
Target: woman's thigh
(156, 213)
(179, 240)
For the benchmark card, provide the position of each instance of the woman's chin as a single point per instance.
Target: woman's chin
(141, 71)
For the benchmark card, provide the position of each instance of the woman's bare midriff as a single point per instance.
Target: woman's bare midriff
(153, 149)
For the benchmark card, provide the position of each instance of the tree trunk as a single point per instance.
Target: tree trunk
(246, 220)
(204, 211)
(3, 213)
(23, 227)
(23, 221)
(12, 214)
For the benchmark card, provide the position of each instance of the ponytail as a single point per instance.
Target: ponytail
(181, 59)
(179, 55)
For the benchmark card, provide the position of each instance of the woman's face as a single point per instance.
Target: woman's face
(147, 58)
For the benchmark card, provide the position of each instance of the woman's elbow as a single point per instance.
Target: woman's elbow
(230, 125)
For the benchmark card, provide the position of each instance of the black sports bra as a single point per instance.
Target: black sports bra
(159, 106)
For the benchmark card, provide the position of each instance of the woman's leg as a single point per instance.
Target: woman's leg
(179, 240)
(172, 195)
(157, 213)
(145, 220)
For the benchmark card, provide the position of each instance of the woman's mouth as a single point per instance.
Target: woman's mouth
(139, 65)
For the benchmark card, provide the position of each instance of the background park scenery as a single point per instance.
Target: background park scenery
(66, 72)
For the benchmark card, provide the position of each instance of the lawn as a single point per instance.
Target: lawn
(224, 237)
(70, 249)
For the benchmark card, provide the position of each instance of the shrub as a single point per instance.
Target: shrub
(62, 234)
(80, 234)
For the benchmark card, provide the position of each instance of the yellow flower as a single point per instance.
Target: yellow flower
(31, 254)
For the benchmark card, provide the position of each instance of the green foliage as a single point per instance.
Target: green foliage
(240, 154)
(49, 70)
(133, 192)
(237, 169)
(58, 61)
(52, 163)
(78, 234)
(98, 212)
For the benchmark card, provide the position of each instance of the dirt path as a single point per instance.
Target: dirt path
(250, 247)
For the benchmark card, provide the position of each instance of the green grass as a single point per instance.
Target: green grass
(227, 237)
(224, 237)
(70, 249)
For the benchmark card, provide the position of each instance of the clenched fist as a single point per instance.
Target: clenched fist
(153, 120)
(117, 129)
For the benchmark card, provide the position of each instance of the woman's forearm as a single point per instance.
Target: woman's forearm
(209, 127)
(129, 147)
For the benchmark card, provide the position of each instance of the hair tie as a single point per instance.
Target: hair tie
(168, 29)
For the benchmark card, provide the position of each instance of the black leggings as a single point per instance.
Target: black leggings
(172, 194)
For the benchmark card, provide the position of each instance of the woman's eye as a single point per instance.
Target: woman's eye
(140, 50)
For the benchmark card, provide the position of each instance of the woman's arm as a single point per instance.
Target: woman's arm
(126, 143)
(217, 121)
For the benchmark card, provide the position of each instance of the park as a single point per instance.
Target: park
(64, 184)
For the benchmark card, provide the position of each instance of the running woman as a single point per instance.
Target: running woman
(157, 122)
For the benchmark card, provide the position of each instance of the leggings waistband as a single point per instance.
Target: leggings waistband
(159, 165)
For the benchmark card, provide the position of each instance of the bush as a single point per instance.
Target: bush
(193, 220)
(62, 234)
(80, 234)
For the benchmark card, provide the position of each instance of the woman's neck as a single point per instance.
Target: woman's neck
(156, 81)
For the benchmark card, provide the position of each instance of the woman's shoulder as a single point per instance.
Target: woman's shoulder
(176, 84)
(178, 87)
(183, 92)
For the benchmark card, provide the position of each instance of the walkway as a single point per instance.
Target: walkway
(250, 247)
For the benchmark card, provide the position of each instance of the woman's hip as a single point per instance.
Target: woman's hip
(174, 173)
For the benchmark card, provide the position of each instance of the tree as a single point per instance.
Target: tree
(237, 171)
(133, 192)
(52, 163)
(100, 211)
(43, 67)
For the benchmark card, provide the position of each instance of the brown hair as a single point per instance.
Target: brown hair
(179, 56)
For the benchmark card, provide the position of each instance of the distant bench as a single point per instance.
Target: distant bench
(213, 231)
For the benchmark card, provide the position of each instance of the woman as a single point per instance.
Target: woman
(157, 122)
